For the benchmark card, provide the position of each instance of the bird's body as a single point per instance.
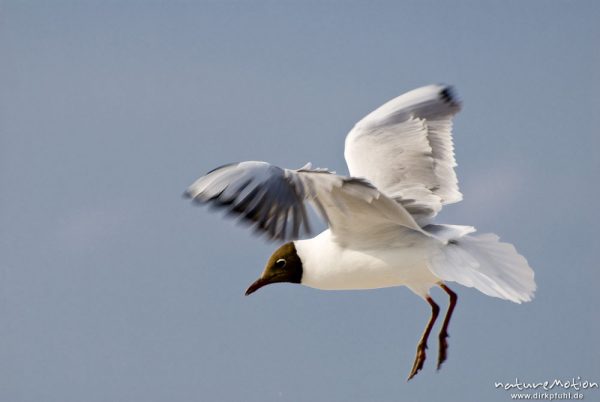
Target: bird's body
(381, 231)
(402, 261)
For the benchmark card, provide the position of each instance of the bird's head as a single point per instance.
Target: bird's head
(283, 266)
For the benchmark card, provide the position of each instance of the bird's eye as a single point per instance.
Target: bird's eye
(280, 263)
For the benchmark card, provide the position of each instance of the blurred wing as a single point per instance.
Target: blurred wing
(273, 200)
(405, 149)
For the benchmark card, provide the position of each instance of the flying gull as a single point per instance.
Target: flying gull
(380, 218)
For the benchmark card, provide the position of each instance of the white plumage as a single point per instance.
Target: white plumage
(482, 262)
(380, 234)
(405, 149)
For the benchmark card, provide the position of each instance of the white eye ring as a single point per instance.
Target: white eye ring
(280, 263)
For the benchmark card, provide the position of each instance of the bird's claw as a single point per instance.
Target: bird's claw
(419, 361)
(443, 352)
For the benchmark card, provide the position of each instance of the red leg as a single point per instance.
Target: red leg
(422, 345)
(443, 352)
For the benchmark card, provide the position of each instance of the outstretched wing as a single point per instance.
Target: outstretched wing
(273, 200)
(405, 149)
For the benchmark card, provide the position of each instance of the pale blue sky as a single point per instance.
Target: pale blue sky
(114, 288)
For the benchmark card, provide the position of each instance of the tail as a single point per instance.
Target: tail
(482, 262)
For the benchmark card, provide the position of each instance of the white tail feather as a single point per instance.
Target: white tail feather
(482, 262)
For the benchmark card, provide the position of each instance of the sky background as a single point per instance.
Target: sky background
(114, 288)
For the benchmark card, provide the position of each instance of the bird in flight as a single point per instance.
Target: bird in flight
(380, 218)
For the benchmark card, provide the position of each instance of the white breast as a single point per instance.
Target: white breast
(327, 265)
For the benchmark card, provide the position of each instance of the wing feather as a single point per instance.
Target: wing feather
(405, 149)
(274, 200)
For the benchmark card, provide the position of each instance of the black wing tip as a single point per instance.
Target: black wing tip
(448, 95)
(187, 194)
(247, 218)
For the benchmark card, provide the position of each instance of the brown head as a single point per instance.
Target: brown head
(283, 266)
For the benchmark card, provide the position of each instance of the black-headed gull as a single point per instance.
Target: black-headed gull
(380, 234)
